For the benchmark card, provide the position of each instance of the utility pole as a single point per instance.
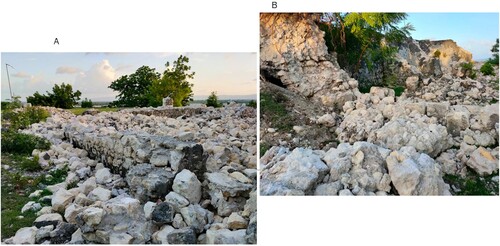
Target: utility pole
(8, 78)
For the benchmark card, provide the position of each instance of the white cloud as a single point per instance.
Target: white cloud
(66, 69)
(94, 82)
(21, 75)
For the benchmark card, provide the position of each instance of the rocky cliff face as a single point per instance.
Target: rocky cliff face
(293, 54)
(423, 58)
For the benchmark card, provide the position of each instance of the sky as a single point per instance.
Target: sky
(231, 75)
(475, 32)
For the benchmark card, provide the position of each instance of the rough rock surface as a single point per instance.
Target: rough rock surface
(298, 173)
(292, 51)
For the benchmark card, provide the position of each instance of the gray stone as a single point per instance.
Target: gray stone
(415, 173)
(48, 219)
(327, 119)
(92, 216)
(100, 194)
(195, 217)
(103, 176)
(26, 235)
(187, 185)
(120, 238)
(177, 201)
(160, 237)
(31, 205)
(149, 183)
(225, 183)
(483, 162)
(148, 209)
(236, 221)
(89, 185)
(160, 158)
(71, 212)
(43, 233)
(182, 236)
(457, 121)
(163, 213)
(225, 236)
(412, 83)
(77, 237)
(328, 189)
(298, 173)
(62, 233)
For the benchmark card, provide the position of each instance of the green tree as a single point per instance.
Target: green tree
(364, 37)
(487, 69)
(134, 88)
(212, 100)
(174, 84)
(87, 103)
(62, 96)
(494, 49)
(468, 70)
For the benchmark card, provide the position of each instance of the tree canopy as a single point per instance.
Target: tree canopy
(134, 88)
(174, 84)
(146, 87)
(62, 96)
(363, 37)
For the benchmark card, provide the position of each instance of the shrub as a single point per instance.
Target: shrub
(20, 143)
(252, 104)
(468, 70)
(23, 118)
(87, 103)
(487, 69)
(437, 53)
(212, 100)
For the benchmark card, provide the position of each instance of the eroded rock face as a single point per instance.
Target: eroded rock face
(293, 51)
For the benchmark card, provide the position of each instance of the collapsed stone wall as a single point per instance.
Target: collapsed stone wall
(138, 178)
(293, 51)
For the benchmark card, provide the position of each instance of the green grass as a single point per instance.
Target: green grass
(16, 187)
(24, 162)
(79, 111)
(20, 143)
(473, 184)
(273, 108)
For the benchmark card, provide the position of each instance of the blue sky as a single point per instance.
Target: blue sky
(230, 74)
(475, 32)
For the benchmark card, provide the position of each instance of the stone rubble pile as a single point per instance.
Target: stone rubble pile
(443, 123)
(138, 178)
(359, 169)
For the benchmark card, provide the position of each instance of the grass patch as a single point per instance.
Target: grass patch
(16, 189)
(20, 143)
(79, 111)
(273, 108)
(473, 184)
(24, 162)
